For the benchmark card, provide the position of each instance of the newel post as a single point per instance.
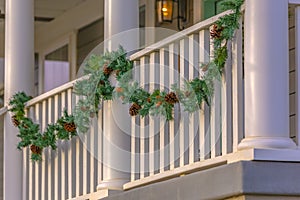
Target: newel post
(266, 75)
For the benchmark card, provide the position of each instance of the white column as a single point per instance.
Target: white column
(266, 75)
(19, 71)
(121, 17)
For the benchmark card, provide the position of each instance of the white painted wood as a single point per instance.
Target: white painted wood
(237, 89)
(116, 120)
(50, 178)
(84, 166)
(226, 104)
(77, 167)
(70, 163)
(91, 171)
(31, 181)
(32, 172)
(173, 73)
(34, 113)
(3, 110)
(266, 124)
(53, 92)
(175, 37)
(100, 145)
(184, 121)
(63, 154)
(216, 121)
(134, 129)
(193, 73)
(55, 166)
(144, 61)
(215, 115)
(157, 120)
(153, 59)
(204, 42)
(19, 73)
(91, 155)
(198, 166)
(163, 80)
(113, 26)
(25, 183)
(133, 146)
(77, 151)
(44, 164)
(297, 57)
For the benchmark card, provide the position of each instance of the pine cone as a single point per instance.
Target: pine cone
(101, 82)
(92, 115)
(35, 149)
(216, 31)
(134, 109)
(15, 121)
(70, 127)
(187, 93)
(83, 108)
(158, 104)
(107, 70)
(119, 89)
(171, 98)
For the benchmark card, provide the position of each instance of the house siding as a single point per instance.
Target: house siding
(88, 38)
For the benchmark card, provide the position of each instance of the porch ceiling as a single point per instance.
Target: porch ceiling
(48, 8)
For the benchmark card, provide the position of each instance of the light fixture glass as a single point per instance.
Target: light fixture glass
(165, 10)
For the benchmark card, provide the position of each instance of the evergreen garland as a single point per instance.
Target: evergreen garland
(29, 132)
(96, 87)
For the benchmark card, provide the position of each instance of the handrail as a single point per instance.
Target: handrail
(53, 92)
(201, 25)
(3, 110)
(177, 36)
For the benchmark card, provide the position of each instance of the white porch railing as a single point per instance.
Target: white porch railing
(73, 169)
(161, 150)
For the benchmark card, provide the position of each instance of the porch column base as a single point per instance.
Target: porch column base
(113, 184)
(267, 143)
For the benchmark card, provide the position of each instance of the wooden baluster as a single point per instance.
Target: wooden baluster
(63, 153)
(143, 163)
(173, 130)
(237, 88)
(204, 57)
(194, 117)
(184, 121)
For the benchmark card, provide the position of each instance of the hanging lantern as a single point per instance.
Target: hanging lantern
(165, 10)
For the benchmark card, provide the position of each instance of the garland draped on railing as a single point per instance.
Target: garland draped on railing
(29, 132)
(97, 87)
